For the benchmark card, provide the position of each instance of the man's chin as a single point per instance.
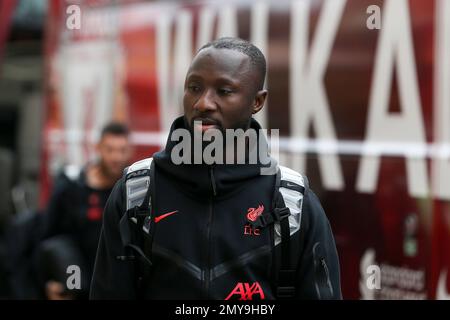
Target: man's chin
(113, 173)
(116, 174)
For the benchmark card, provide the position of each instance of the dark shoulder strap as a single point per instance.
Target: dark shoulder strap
(137, 223)
(285, 277)
(290, 180)
(285, 264)
(146, 230)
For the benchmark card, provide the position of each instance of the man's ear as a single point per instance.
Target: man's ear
(260, 98)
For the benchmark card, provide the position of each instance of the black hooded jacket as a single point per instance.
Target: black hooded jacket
(203, 247)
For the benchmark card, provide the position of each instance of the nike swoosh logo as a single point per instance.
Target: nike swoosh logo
(165, 215)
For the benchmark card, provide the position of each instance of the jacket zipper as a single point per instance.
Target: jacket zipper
(213, 182)
(208, 232)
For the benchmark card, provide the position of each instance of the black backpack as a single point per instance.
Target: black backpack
(285, 214)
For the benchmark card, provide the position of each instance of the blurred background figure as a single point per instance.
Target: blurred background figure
(66, 233)
(73, 219)
(21, 118)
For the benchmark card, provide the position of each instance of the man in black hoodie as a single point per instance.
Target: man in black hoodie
(213, 230)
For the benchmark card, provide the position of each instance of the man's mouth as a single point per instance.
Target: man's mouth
(203, 124)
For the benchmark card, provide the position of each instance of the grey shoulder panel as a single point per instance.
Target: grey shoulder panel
(137, 182)
(293, 200)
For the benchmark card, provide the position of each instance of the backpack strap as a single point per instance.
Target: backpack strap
(291, 192)
(137, 224)
(286, 216)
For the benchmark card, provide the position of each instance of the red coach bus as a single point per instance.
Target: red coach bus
(359, 89)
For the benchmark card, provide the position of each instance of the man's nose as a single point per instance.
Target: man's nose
(206, 102)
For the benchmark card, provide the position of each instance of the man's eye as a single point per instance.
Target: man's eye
(194, 88)
(225, 91)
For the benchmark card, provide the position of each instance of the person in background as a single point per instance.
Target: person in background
(72, 224)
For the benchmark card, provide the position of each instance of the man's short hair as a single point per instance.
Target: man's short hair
(256, 56)
(115, 128)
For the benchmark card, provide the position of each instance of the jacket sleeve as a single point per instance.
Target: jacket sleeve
(318, 274)
(113, 278)
(57, 219)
